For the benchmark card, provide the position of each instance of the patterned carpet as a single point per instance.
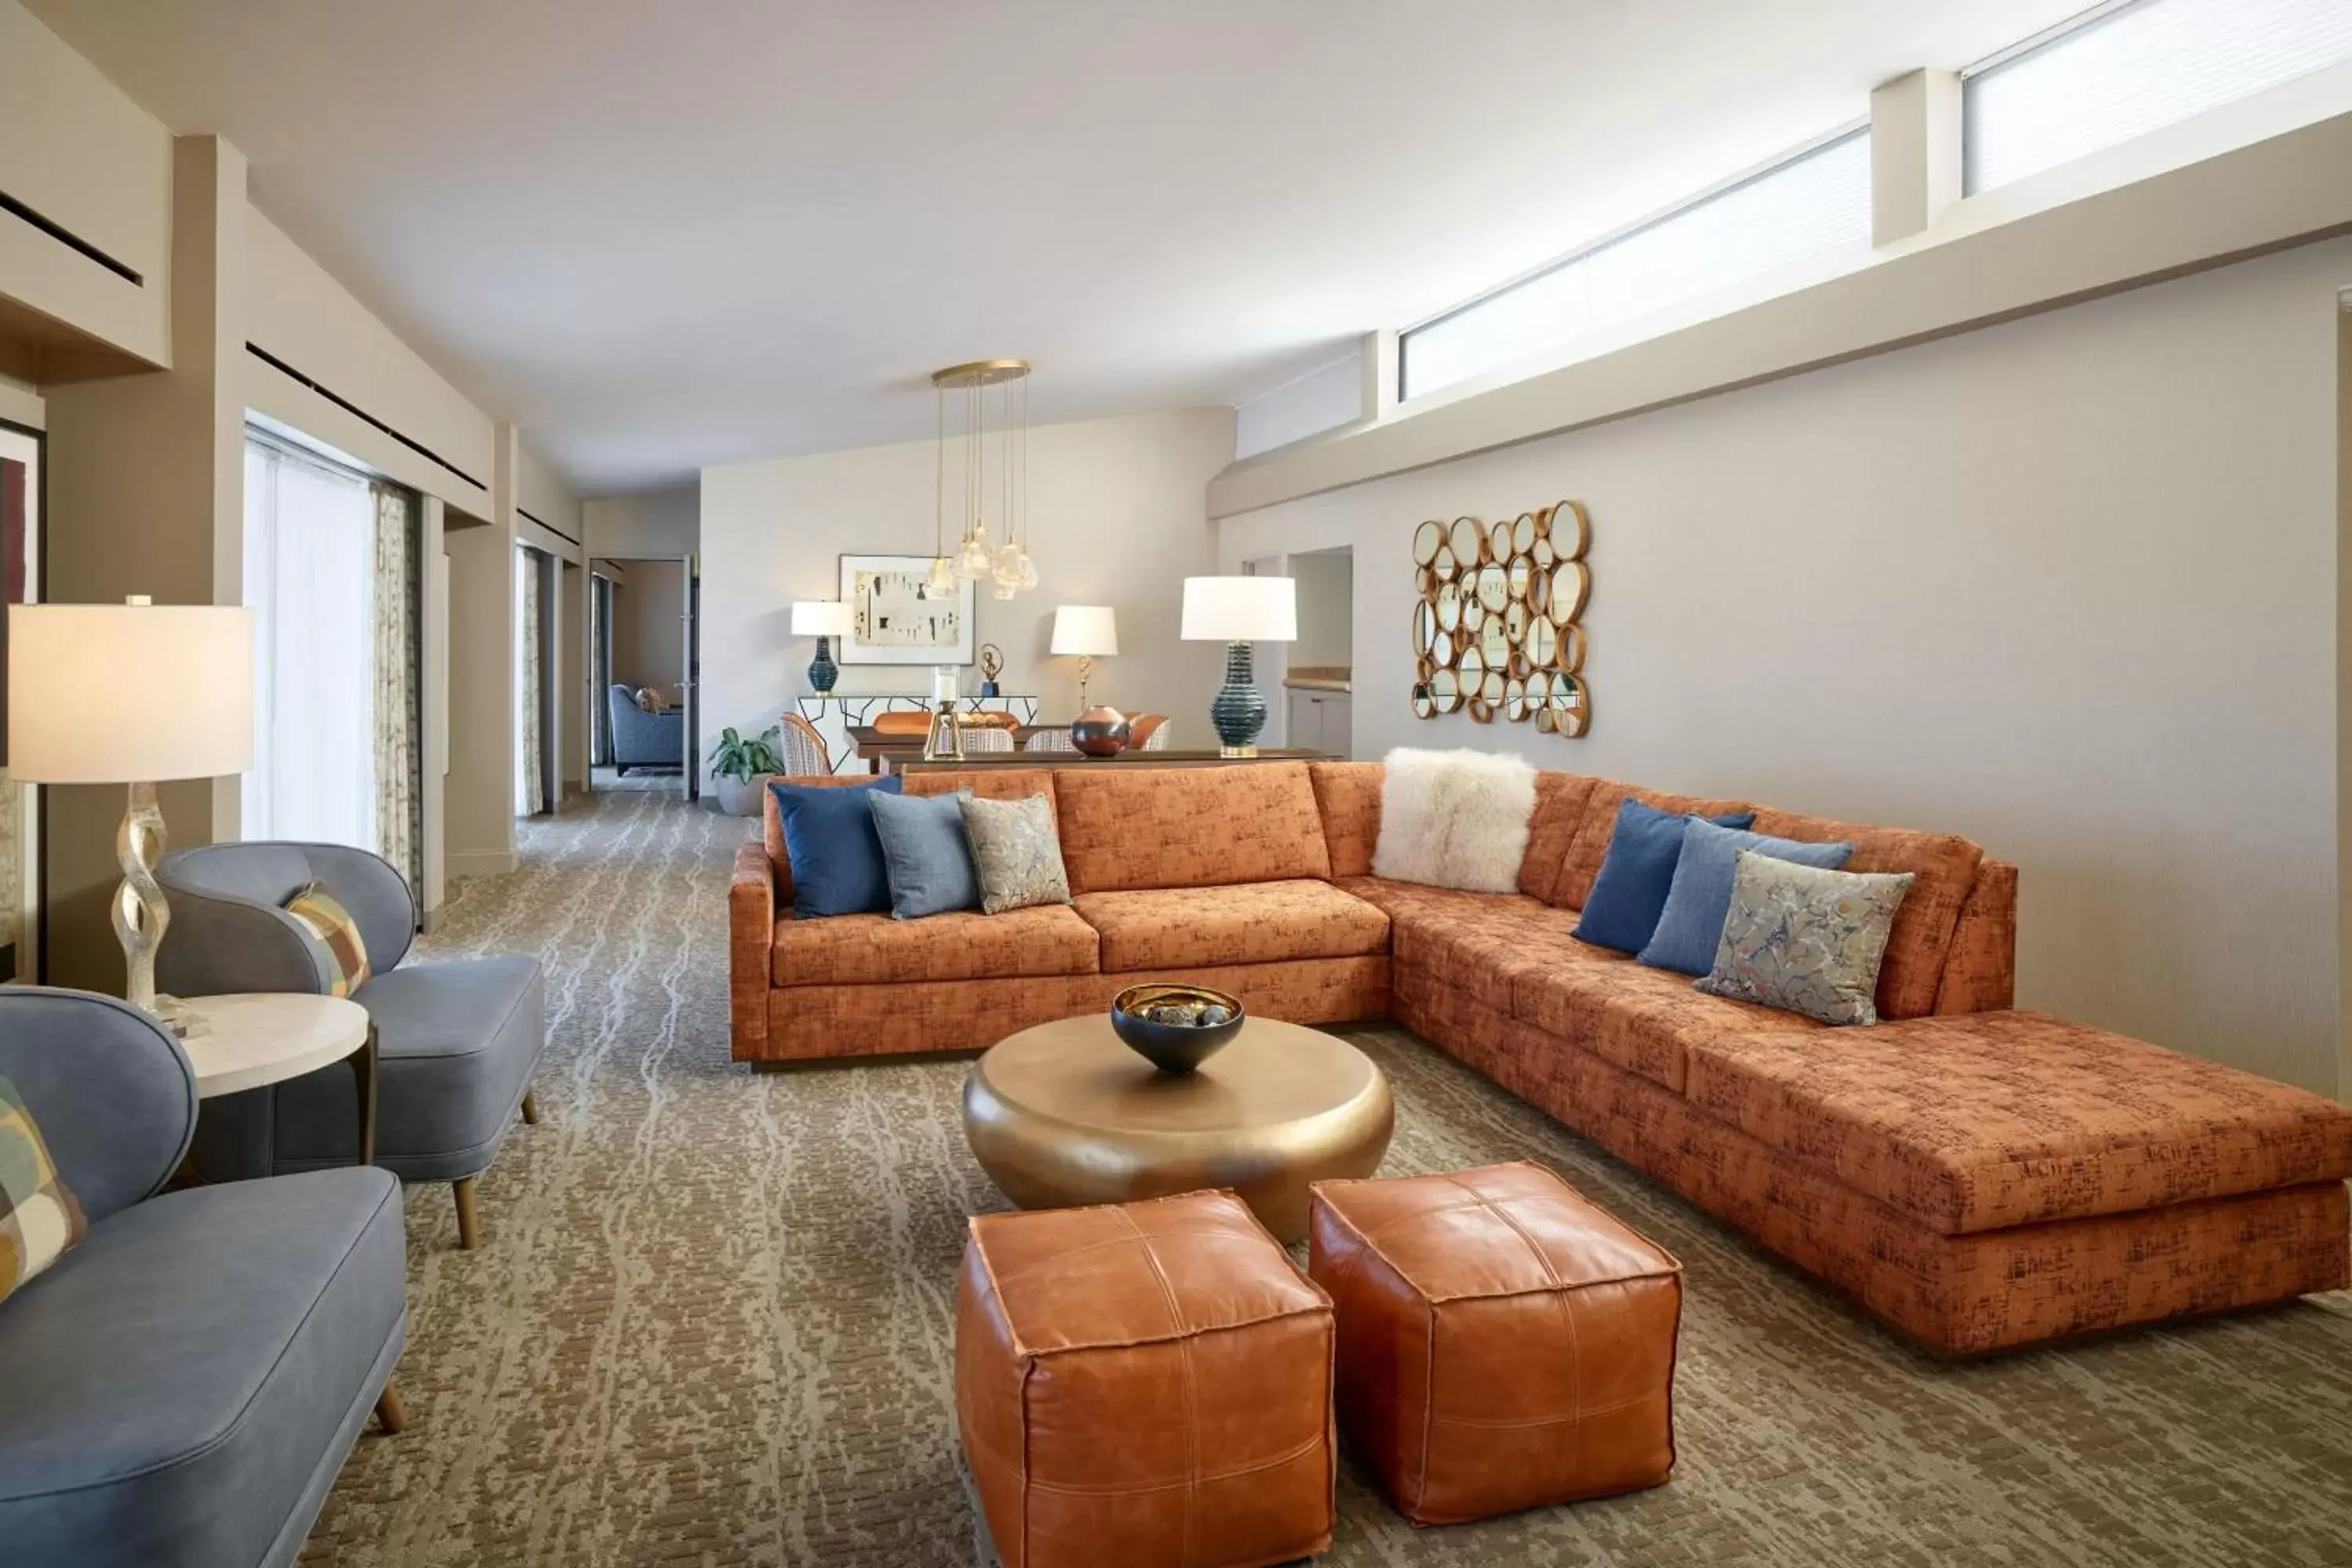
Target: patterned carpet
(711, 1324)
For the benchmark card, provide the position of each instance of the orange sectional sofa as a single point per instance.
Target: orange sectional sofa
(1978, 1176)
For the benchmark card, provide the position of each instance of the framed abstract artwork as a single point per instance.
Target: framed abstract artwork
(20, 804)
(894, 616)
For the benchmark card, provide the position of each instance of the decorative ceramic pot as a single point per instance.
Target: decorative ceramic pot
(1100, 732)
(1175, 1027)
(737, 797)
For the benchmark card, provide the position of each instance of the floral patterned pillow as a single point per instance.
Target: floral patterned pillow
(1806, 939)
(1016, 850)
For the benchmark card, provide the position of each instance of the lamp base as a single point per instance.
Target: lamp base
(822, 671)
(141, 914)
(1238, 714)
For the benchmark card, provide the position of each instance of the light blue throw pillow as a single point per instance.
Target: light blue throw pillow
(925, 852)
(1699, 897)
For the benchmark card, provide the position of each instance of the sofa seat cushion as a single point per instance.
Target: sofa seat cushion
(1943, 867)
(1124, 828)
(876, 950)
(1482, 948)
(1255, 922)
(1991, 1120)
(183, 1386)
(1397, 898)
(1644, 1020)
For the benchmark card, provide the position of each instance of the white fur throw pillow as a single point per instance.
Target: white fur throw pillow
(1454, 819)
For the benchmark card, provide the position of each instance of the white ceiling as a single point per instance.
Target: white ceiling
(659, 236)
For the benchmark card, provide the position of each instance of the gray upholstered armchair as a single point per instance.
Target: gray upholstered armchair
(456, 1041)
(643, 740)
(182, 1387)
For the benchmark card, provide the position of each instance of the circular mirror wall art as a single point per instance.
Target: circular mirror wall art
(1427, 540)
(1497, 623)
(1468, 540)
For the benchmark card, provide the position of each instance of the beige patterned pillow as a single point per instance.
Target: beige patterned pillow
(1017, 851)
(38, 1217)
(1805, 939)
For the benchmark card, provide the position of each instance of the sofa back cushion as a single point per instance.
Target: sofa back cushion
(1560, 799)
(1348, 796)
(990, 783)
(1580, 862)
(1943, 867)
(1131, 827)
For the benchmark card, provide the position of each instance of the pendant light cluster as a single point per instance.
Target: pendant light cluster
(994, 439)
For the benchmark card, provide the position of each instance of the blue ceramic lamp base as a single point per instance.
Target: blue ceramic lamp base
(1239, 711)
(822, 671)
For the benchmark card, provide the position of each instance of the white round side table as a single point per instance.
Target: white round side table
(257, 1038)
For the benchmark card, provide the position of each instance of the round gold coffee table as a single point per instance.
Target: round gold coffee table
(1065, 1114)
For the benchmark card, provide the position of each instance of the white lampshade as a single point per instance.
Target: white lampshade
(128, 693)
(820, 618)
(1240, 609)
(1087, 629)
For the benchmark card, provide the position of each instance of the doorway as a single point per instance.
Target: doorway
(642, 662)
(1318, 679)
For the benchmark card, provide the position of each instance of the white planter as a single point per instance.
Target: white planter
(737, 797)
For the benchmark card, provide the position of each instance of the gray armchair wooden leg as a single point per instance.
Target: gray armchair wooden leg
(470, 1225)
(390, 1414)
(531, 1108)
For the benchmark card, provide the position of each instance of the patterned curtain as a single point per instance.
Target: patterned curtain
(532, 764)
(399, 716)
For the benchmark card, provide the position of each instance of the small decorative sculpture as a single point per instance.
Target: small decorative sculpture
(991, 665)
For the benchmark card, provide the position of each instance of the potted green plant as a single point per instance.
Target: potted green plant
(735, 765)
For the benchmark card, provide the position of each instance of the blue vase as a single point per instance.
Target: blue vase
(823, 671)
(1239, 711)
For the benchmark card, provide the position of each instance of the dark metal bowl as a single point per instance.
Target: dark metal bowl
(1172, 1047)
(1100, 732)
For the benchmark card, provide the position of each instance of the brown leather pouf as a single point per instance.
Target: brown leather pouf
(1503, 1343)
(1142, 1384)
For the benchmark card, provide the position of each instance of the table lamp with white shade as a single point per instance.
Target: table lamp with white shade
(1237, 612)
(131, 694)
(824, 619)
(1088, 631)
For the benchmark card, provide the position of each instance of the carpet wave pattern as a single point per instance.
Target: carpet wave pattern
(711, 1323)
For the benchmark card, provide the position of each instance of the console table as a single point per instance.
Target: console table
(980, 762)
(836, 713)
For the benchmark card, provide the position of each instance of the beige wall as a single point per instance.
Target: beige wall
(1116, 519)
(75, 149)
(2066, 586)
(657, 523)
(146, 484)
(649, 625)
(1325, 609)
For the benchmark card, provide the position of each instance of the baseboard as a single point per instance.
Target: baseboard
(479, 862)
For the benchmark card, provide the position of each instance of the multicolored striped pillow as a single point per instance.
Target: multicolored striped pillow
(317, 907)
(39, 1220)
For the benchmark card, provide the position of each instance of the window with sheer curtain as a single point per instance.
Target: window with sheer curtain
(310, 579)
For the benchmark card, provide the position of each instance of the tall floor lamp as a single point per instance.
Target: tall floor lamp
(131, 694)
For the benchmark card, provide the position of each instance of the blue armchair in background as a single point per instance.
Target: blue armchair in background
(180, 1390)
(643, 740)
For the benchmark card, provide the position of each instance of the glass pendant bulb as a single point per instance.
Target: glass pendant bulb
(1028, 570)
(942, 579)
(1003, 590)
(973, 559)
(1007, 567)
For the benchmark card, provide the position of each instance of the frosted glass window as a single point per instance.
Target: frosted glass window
(2135, 69)
(310, 578)
(1814, 202)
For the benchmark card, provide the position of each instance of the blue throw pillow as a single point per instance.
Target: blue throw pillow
(837, 856)
(925, 852)
(1631, 891)
(1691, 926)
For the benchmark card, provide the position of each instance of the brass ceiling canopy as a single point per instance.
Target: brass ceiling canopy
(980, 372)
(994, 445)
